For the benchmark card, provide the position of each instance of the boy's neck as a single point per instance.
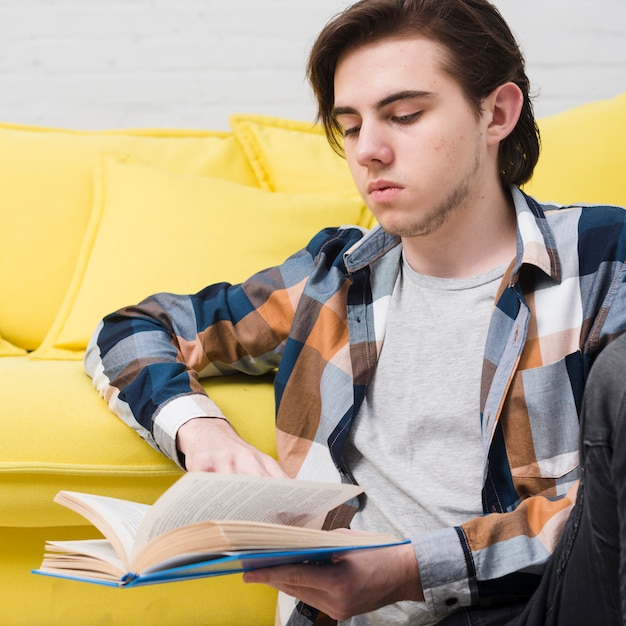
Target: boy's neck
(484, 237)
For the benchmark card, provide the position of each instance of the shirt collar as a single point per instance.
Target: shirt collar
(375, 244)
(535, 242)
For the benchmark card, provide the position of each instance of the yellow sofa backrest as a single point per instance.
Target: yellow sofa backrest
(46, 183)
(80, 211)
(583, 155)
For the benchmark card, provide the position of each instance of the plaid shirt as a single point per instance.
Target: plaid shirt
(319, 321)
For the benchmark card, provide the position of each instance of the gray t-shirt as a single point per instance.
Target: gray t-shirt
(416, 445)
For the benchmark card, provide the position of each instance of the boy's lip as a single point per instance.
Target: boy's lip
(383, 190)
(382, 185)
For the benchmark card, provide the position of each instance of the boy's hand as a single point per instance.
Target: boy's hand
(355, 583)
(212, 445)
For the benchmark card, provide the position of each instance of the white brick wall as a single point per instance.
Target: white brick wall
(190, 63)
(575, 49)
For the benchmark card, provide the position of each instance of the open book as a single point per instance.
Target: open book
(204, 525)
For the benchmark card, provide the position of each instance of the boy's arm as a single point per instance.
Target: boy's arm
(491, 558)
(499, 556)
(146, 361)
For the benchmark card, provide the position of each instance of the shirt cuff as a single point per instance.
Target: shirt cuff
(174, 414)
(443, 570)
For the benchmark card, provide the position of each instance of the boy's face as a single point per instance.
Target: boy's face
(414, 144)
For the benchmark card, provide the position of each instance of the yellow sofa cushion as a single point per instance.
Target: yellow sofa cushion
(60, 434)
(583, 155)
(152, 230)
(8, 349)
(293, 156)
(46, 199)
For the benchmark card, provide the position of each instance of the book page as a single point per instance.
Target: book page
(97, 549)
(118, 520)
(199, 497)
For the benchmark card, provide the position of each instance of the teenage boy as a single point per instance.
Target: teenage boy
(438, 360)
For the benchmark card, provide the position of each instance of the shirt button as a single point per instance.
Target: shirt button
(451, 601)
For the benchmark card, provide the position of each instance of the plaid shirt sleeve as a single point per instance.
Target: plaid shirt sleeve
(146, 360)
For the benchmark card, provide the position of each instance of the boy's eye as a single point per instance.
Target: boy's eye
(348, 124)
(406, 119)
(353, 130)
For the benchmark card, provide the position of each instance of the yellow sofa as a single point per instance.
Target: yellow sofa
(90, 221)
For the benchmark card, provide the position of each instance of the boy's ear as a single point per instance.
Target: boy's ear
(503, 106)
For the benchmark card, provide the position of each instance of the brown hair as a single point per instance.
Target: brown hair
(482, 55)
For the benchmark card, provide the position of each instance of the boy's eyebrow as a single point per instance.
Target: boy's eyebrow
(394, 97)
(403, 95)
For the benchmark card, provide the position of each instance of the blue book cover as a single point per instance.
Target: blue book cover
(205, 525)
(221, 565)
